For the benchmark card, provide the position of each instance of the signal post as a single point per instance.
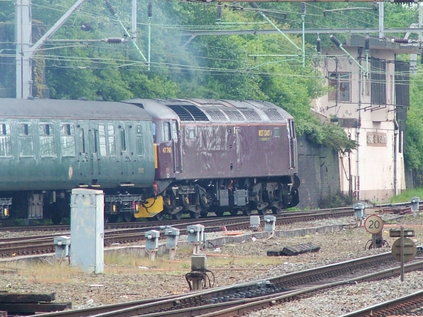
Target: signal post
(403, 249)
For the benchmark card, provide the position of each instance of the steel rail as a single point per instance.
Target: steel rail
(398, 306)
(291, 285)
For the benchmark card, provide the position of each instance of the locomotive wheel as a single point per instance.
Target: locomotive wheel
(276, 211)
(56, 213)
(110, 218)
(56, 218)
(160, 216)
(219, 213)
(127, 217)
(247, 212)
(177, 216)
(194, 215)
(261, 212)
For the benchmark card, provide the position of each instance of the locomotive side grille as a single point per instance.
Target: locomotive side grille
(216, 115)
(250, 114)
(273, 114)
(189, 113)
(182, 113)
(234, 115)
(197, 113)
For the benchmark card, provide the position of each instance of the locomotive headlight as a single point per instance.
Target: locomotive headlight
(114, 208)
(6, 212)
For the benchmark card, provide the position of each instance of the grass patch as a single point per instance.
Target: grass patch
(241, 261)
(127, 263)
(407, 195)
(45, 272)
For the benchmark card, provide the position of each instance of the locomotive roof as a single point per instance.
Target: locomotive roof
(70, 109)
(213, 110)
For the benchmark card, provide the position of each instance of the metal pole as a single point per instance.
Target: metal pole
(23, 44)
(303, 13)
(381, 19)
(420, 22)
(134, 19)
(149, 44)
(402, 254)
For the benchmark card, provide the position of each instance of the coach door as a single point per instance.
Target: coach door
(292, 144)
(83, 161)
(233, 148)
(93, 155)
(88, 153)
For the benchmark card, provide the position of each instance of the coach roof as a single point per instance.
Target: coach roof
(70, 109)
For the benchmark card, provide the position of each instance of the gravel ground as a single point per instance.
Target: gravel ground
(130, 277)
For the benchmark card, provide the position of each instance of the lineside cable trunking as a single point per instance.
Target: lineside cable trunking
(415, 205)
(152, 243)
(195, 236)
(62, 246)
(87, 230)
(172, 235)
(269, 223)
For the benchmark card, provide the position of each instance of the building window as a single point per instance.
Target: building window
(378, 79)
(340, 87)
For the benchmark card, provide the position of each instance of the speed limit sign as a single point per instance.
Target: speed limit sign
(373, 224)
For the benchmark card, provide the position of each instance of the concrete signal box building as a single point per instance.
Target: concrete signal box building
(368, 96)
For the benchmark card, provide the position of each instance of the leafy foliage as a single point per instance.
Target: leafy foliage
(414, 132)
(267, 67)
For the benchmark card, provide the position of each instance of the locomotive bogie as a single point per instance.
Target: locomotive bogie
(197, 198)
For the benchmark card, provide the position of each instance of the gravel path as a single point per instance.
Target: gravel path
(130, 277)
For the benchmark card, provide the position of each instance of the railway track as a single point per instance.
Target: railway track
(157, 223)
(42, 244)
(239, 299)
(410, 305)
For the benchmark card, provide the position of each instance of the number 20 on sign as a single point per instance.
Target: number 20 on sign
(373, 224)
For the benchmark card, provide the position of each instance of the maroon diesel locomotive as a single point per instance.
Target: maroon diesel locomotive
(221, 155)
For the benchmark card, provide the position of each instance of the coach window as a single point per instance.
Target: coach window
(292, 129)
(139, 141)
(26, 144)
(191, 133)
(67, 140)
(167, 136)
(94, 141)
(102, 139)
(153, 130)
(5, 142)
(122, 139)
(45, 132)
(174, 131)
(111, 139)
(277, 132)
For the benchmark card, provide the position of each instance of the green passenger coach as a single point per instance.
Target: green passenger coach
(48, 147)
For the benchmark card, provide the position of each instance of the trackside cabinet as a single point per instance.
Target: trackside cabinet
(87, 230)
